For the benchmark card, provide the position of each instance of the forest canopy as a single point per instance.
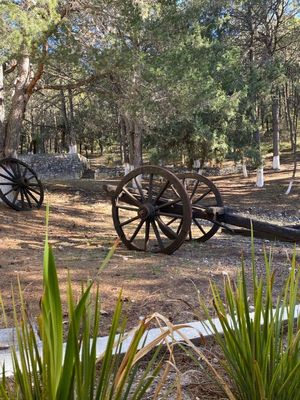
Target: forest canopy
(177, 80)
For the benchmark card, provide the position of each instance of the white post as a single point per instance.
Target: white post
(288, 191)
(128, 168)
(245, 172)
(196, 164)
(73, 149)
(276, 163)
(260, 177)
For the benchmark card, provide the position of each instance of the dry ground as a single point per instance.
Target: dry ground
(81, 231)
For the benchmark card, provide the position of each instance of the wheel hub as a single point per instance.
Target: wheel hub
(146, 212)
(22, 182)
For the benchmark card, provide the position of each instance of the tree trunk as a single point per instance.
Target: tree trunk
(130, 138)
(123, 141)
(72, 136)
(19, 101)
(275, 124)
(2, 112)
(138, 134)
(66, 128)
(292, 125)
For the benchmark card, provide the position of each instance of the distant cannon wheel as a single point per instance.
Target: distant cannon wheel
(202, 194)
(143, 207)
(20, 187)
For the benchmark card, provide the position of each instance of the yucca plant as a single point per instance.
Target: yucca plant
(58, 371)
(261, 349)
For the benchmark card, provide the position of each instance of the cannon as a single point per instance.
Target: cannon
(155, 210)
(20, 187)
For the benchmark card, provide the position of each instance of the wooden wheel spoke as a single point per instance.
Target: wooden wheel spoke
(14, 170)
(150, 190)
(16, 195)
(175, 191)
(6, 184)
(7, 177)
(138, 185)
(18, 170)
(30, 177)
(33, 190)
(156, 232)
(171, 221)
(27, 198)
(22, 199)
(132, 197)
(7, 193)
(128, 221)
(199, 226)
(24, 172)
(190, 235)
(7, 171)
(168, 203)
(121, 207)
(179, 227)
(202, 196)
(31, 195)
(136, 231)
(166, 229)
(147, 234)
(194, 189)
(162, 190)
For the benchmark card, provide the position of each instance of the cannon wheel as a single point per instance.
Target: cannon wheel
(20, 187)
(144, 203)
(202, 193)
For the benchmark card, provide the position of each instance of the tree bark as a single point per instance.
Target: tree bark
(2, 112)
(138, 134)
(130, 137)
(19, 101)
(66, 128)
(292, 125)
(276, 130)
(72, 136)
(123, 140)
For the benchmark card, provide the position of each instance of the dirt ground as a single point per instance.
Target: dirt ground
(81, 232)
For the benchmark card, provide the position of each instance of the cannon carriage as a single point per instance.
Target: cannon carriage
(155, 210)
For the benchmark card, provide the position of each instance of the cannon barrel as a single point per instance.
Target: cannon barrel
(290, 233)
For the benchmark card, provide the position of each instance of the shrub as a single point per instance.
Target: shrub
(261, 349)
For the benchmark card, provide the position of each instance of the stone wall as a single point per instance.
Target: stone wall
(56, 166)
(104, 172)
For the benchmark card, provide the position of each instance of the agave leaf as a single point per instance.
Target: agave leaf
(71, 357)
(52, 321)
